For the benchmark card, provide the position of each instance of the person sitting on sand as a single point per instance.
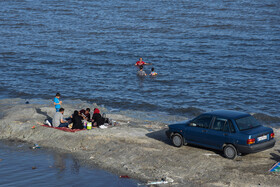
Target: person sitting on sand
(141, 72)
(77, 120)
(58, 120)
(85, 114)
(97, 119)
(57, 102)
(153, 73)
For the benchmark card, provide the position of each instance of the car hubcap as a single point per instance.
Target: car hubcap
(177, 140)
(229, 152)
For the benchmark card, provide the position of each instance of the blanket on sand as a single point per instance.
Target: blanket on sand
(64, 128)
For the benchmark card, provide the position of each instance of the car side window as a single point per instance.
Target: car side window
(219, 124)
(203, 122)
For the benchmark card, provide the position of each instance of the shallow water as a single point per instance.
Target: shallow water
(21, 166)
(209, 55)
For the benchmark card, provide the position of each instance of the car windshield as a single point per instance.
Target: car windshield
(246, 123)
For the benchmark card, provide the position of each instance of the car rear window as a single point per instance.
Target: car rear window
(247, 122)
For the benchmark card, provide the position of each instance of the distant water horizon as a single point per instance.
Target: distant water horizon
(208, 55)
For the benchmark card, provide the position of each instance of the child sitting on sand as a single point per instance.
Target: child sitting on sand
(153, 73)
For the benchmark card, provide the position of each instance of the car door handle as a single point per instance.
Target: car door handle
(225, 134)
(203, 130)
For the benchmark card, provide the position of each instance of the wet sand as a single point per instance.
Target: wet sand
(137, 148)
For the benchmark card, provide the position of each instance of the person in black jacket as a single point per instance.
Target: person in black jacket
(77, 120)
(97, 119)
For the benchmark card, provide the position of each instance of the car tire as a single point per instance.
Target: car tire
(230, 151)
(177, 140)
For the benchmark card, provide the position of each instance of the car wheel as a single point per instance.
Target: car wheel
(230, 151)
(177, 140)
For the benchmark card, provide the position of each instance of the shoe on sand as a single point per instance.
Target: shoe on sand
(103, 127)
(48, 123)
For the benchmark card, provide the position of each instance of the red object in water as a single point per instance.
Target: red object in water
(124, 176)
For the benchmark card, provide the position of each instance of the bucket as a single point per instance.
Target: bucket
(89, 125)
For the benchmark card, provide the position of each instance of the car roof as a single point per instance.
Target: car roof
(229, 114)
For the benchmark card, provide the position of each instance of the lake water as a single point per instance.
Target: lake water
(209, 55)
(21, 166)
(214, 54)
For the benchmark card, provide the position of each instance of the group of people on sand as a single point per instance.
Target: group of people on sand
(141, 72)
(78, 118)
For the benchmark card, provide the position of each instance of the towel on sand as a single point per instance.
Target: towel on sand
(65, 129)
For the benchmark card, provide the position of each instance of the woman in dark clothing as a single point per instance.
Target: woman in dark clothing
(77, 120)
(97, 118)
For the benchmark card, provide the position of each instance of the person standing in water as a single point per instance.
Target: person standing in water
(57, 102)
(140, 63)
(141, 72)
(153, 73)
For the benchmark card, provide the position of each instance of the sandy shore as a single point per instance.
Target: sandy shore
(137, 148)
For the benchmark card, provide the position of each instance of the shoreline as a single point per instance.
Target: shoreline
(46, 167)
(137, 148)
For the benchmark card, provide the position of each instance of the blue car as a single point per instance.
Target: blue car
(229, 131)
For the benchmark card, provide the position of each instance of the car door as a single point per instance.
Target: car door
(219, 133)
(197, 129)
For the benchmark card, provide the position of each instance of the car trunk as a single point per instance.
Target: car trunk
(260, 134)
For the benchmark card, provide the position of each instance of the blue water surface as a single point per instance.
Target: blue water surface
(209, 55)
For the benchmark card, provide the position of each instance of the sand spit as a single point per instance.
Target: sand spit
(137, 148)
